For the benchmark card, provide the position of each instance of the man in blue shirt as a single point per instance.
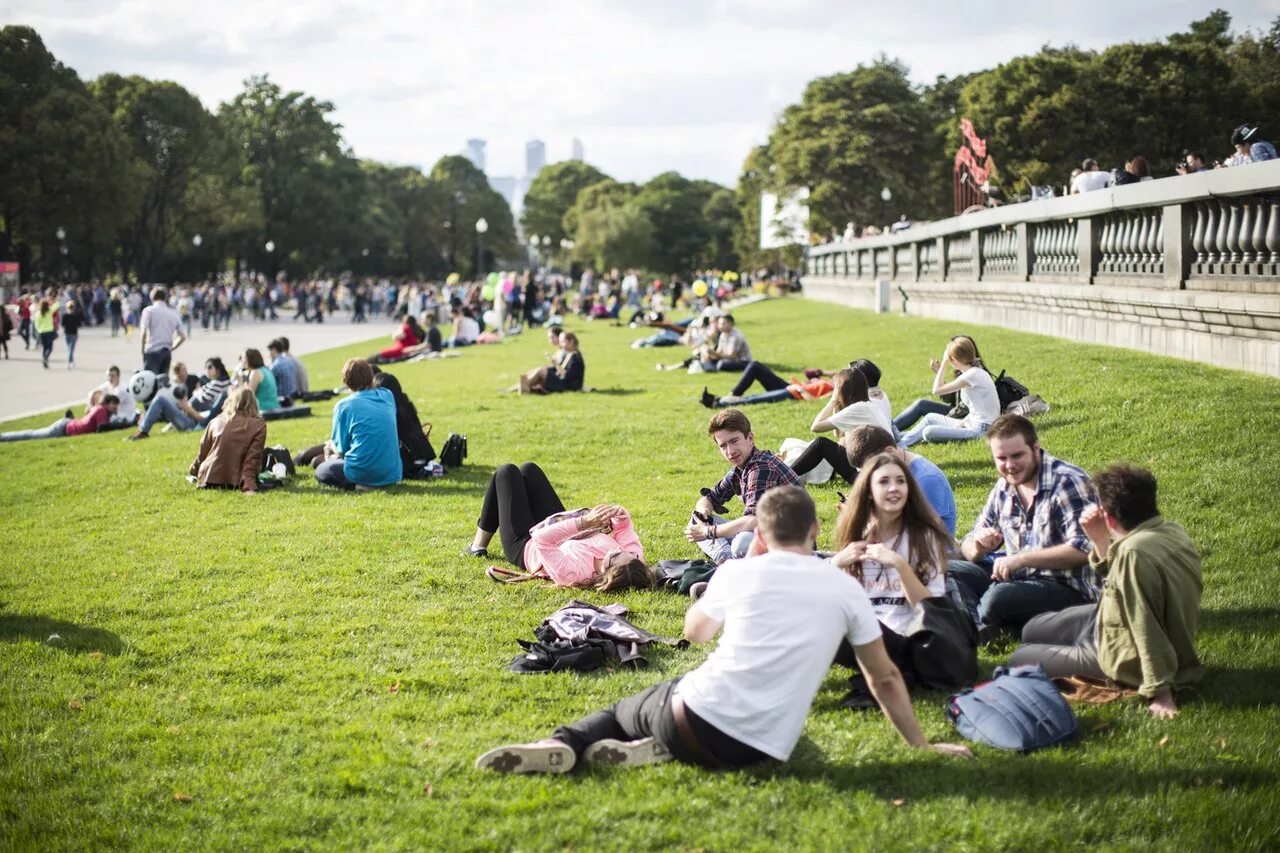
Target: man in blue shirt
(284, 371)
(866, 441)
(364, 450)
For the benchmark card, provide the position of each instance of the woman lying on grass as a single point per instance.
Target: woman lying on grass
(586, 548)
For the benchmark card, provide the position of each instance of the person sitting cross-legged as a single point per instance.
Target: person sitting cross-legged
(363, 451)
(231, 448)
(754, 473)
(1142, 633)
(781, 615)
(1034, 510)
(730, 350)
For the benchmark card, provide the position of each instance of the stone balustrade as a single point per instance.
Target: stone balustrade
(1187, 266)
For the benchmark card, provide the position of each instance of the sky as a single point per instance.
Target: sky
(649, 86)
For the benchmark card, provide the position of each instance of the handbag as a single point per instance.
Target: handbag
(943, 645)
(1018, 709)
(454, 450)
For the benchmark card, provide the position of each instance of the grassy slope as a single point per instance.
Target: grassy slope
(304, 663)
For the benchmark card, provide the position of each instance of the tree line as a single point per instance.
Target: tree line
(854, 133)
(135, 177)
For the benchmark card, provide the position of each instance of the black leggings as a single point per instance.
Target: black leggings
(757, 372)
(516, 500)
(823, 448)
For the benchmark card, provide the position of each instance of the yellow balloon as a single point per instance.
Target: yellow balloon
(699, 288)
(453, 278)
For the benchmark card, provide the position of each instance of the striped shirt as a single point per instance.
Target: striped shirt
(210, 391)
(1063, 491)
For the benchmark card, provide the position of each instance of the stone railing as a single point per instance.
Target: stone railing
(1187, 266)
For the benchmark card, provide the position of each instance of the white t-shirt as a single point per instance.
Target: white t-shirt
(881, 399)
(468, 329)
(159, 322)
(980, 397)
(884, 588)
(1090, 181)
(784, 616)
(868, 413)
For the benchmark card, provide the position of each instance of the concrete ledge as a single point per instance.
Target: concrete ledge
(1235, 330)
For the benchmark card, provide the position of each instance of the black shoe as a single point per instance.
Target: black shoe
(68, 414)
(472, 551)
(708, 399)
(137, 436)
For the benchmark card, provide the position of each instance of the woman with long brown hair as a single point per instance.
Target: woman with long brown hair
(892, 541)
(850, 406)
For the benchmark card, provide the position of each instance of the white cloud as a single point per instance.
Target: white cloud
(648, 86)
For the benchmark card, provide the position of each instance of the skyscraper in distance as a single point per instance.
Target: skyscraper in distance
(575, 150)
(475, 152)
(535, 157)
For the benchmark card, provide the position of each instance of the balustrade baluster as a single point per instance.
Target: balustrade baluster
(1233, 235)
(1246, 232)
(1259, 238)
(1155, 249)
(1197, 235)
(1273, 234)
(1213, 221)
(1106, 242)
(1134, 241)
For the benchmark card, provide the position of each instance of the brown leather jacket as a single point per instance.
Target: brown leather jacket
(231, 453)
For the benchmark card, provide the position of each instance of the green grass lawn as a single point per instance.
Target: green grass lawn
(311, 669)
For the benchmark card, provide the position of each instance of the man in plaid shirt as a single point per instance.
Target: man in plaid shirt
(754, 472)
(1034, 511)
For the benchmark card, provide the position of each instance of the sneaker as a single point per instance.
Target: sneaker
(627, 753)
(708, 399)
(68, 414)
(696, 590)
(540, 757)
(696, 367)
(473, 551)
(137, 436)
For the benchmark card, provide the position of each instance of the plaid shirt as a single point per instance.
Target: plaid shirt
(1062, 494)
(763, 472)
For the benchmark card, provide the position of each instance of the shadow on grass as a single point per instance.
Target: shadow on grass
(617, 392)
(67, 636)
(1003, 776)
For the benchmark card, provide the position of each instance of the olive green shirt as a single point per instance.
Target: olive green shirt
(1150, 607)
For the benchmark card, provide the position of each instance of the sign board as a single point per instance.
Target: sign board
(9, 280)
(785, 222)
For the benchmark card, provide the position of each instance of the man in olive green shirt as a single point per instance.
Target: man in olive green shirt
(1142, 633)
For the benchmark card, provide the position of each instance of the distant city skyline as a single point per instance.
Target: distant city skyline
(409, 84)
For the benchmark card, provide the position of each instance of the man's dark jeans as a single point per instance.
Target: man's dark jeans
(1006, 604)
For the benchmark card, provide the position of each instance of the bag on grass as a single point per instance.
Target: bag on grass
(454, 450)
(1009, 390)
(562, 655)
(278, 454)
(942, 644)
(1018, 709)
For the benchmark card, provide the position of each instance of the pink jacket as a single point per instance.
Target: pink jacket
(568, 556)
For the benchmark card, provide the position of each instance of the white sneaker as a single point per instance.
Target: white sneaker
(696, 590)
(541, 757)
(627, 753)
(696, 367)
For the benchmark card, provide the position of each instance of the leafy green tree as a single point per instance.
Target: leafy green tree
(606, 191)
(467, 198)
(402, 222)
(552, 193)
(615, 235)
(307, 180)
(1255, 66)
(64, 165)
(851, 135)
(722, 217)
(673, 204)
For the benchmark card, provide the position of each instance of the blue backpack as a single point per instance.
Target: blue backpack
(1019, 709)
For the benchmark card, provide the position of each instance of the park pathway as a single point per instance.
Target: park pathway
(26, 388)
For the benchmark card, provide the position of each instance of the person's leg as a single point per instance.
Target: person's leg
(754, 399)
(71, 349)
(823, 449)
(966, 584)
(1062, 643)
(543, 499)
(727, 365)
(331, 473)
(46, 346)
(507, 509)
(719, 549)
(57, 429)
(162, 408)
(917, 410)
(934, 427)
(1011, 604)
(646, 714)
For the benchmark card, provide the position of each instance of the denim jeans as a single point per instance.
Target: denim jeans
(71, 348)
(724, 365)
(917, 410)
(763, 397)
(722, 548)
(57, 429)
(331, 473)
(163, 408)
(757, 372)
(1007, 604)
(936, 429)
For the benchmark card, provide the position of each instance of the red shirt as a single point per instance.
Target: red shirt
(97, 416)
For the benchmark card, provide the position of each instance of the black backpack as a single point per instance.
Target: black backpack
(1009, 390)
(563, 655)
(454, 450)
(272, 455)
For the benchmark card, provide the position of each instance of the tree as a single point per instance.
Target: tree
(552, 193)
(1255, 66)
(173, 141)
(615, 235)
(307, 180)
(402, 221)
(65, 164)
(851, 135)
(603, 192)
(722, 218)
(673, 204)
(467, 198)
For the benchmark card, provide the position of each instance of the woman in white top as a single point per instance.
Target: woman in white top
(977, 391)
(893, 543)
(850, 406)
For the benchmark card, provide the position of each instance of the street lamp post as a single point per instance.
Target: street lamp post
(482, 225)
(886, 196)
(534, 243)
(546, 250)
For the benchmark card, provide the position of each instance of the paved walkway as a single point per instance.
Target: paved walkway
(29, 389)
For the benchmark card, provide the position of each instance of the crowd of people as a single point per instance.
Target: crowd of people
(1083, 570)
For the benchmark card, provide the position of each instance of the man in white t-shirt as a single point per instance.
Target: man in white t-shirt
(783, 613)
(161, 332)
(730, 352)
(1091, 178)
(127, 412)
